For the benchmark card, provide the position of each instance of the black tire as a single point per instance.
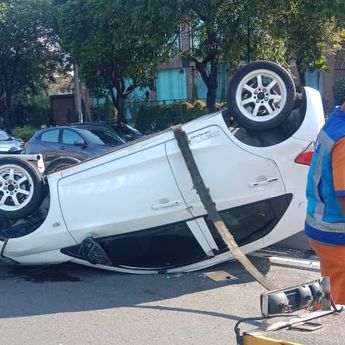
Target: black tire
(261, 105)
(21, 188)
(60, 163)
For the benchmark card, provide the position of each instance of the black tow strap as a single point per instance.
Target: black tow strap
(211, 209)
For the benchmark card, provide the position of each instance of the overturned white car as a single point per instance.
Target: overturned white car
(136, 209)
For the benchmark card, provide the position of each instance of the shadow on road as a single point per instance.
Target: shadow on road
(27, 291)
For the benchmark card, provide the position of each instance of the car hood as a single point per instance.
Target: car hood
(102, 148)
(7, 145)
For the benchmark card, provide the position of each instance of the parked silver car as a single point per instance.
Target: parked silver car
(9, 144)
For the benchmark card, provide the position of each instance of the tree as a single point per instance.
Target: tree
(214, 30)
(310, 30)
(116, 43)
(227, 32)
(234, 31)
(28, 52)
(117, 55)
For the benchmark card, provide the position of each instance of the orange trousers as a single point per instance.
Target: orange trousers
(332, 264)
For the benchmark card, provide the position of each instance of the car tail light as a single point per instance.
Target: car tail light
(306, 156)
(306, 296)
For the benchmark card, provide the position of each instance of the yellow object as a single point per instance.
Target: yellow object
(260, 340)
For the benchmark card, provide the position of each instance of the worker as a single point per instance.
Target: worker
(325, 220)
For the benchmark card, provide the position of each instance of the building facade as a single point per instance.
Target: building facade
(178, 80)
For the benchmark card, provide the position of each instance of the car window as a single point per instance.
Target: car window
(107, 137)
(51, 136)
(94, 138)
(4, 135)
(70, 137)
(252, 221)
(162, 247)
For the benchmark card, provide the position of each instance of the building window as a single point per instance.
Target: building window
(171, 85)
(315, 80)
(176, 41)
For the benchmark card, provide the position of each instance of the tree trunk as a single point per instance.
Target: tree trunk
(113, 97)
(119, 106)
(212, 88)
(7, 124)
(98, 110)
(210, 79)
(118, 100)
(5, 114)
(300, 71)
(5, 105)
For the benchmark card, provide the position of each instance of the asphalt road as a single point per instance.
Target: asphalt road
(74, 305)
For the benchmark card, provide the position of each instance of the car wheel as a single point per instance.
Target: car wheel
(21, 188)
(261, 95)
(60, 163)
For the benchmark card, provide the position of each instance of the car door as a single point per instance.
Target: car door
(47, 144)
(248, 189)
(73, 144)
(130, 203)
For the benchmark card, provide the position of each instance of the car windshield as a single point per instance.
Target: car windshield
(4, 136)
(127, 131)
(101, 137)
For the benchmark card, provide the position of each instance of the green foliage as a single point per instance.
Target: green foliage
(339, 91)
(28, 51)
(199, 105)
(33, 110)
(309, 30)
(218, 34)
(166, 115)
(24, 133)
(114, 41)
(188, 105)
(103, 112)
(220, 105)
(3, 11)
(62, 84)
(110, 50)
(283, 31)
(109, 112)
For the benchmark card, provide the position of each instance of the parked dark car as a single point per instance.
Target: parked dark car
(105, 133)
(64, 146)
(9, 144)
(126, 132)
